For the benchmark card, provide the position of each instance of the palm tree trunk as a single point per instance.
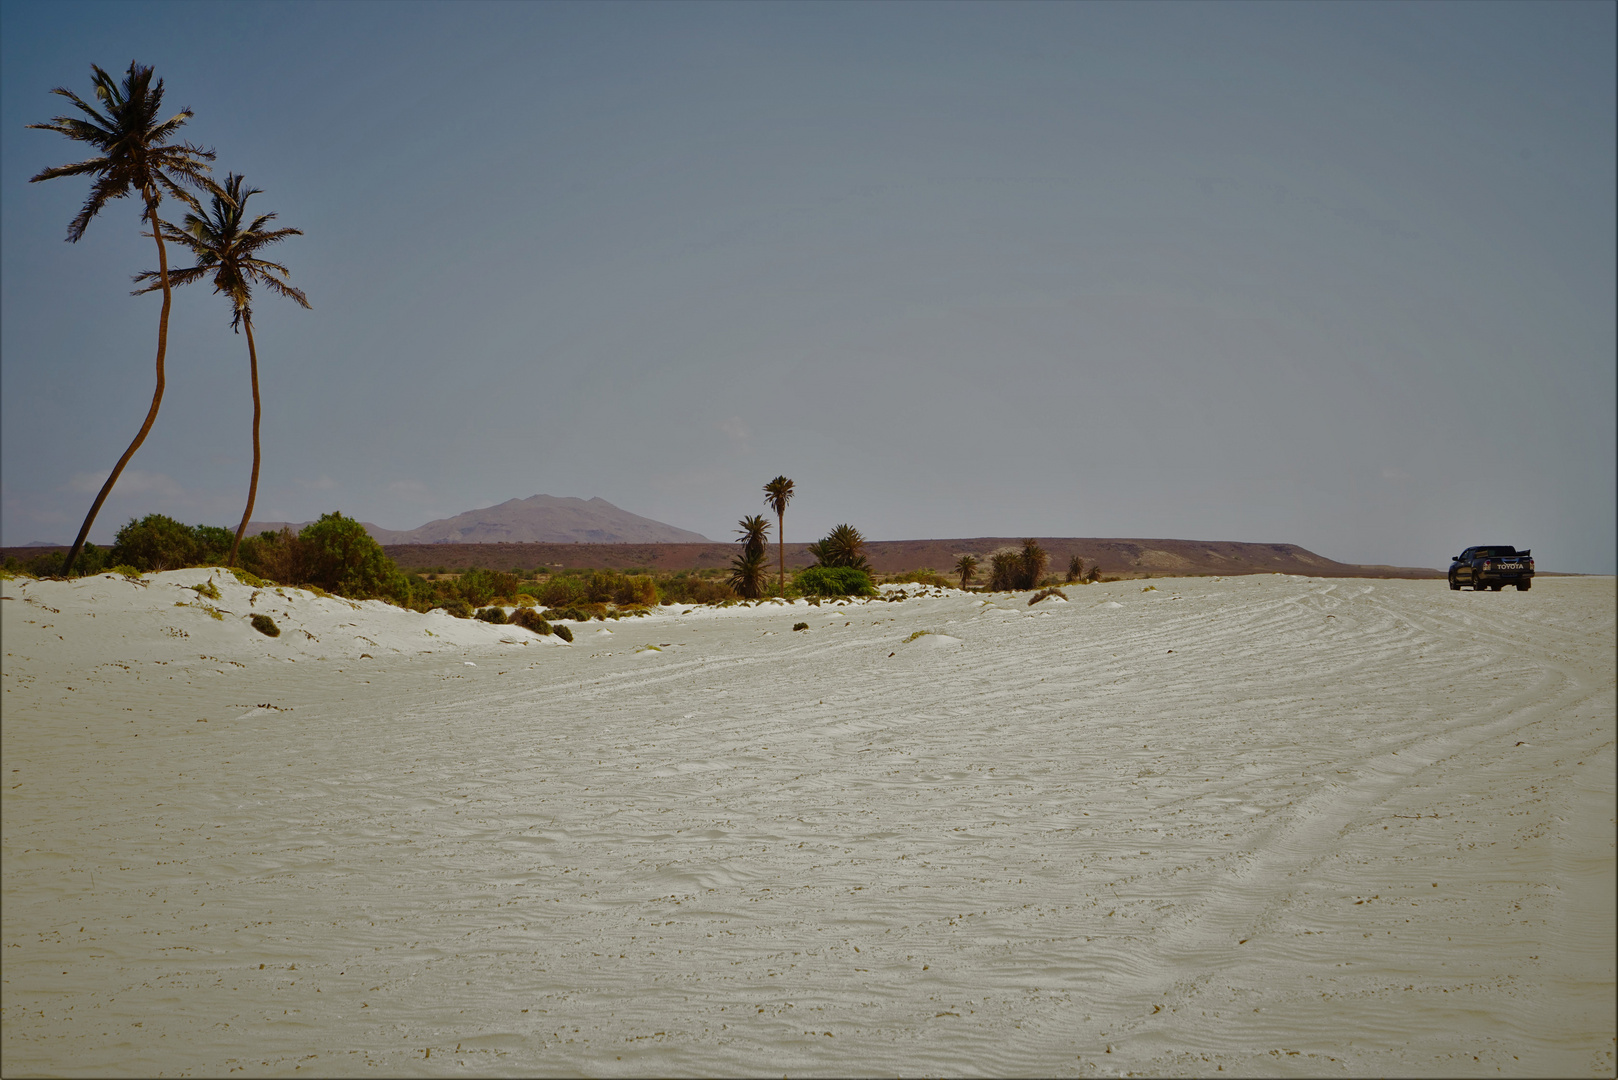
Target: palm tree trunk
(157, 395)
(252, 487)
(781, 546)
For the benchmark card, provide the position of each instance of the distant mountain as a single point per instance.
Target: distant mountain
(539, 519)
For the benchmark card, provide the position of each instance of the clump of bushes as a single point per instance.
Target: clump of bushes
(529, 619)
(844, 546)
(1013, 569)
(686, 588)
(492, 615)
(458, 608)
(265, 625)
(580, 612)
(834, 581)
(563, 632)
(158, 542)
(479, 587)
(1044, 594)
(92, 560)
(800, 626)
(922, 577)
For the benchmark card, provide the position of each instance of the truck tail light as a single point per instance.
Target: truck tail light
(1488, 566)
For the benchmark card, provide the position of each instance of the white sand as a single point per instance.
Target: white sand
(1266, 825)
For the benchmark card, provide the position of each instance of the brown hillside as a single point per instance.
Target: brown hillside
(1117, 558)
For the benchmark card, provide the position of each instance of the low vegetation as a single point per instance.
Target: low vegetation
(335, 556)
(834, 581)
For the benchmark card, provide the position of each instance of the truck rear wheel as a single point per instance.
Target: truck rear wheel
(1524, 586)
(1477, 585)
(1496, 587)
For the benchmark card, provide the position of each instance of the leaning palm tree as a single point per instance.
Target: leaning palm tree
(135, 157)
(777, 493)
(967, 567)
(225, 246)
(748, 568)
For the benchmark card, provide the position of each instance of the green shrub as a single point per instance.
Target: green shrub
(637, 589)
(562, 632)
(561, 590)
(265, 625)
(126, 571)
(213, 544)
(47, 565)
(601, 586)
(247, 578)
(492, 615)
(458, 608)
(529, 619)
(343, 558)
(479, 586)
(208, 589)
(834, 581)
(577, 612)
(276, 556)
(92, 560)
(1045, 594)
(155, 543)
(800, 626)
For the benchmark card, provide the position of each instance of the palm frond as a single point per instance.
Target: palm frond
(176, 277)
(78, 168)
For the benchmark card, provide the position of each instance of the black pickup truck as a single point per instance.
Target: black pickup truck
(1493, 567)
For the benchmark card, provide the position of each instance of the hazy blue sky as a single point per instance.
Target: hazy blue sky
(1339, 274)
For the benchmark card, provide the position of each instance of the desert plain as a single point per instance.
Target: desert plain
(1270, 825)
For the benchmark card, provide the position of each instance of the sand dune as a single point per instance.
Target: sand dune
(1267, 824)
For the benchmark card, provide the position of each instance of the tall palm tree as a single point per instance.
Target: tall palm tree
(134, 156)
(748, 568)
(777, 493)
(225, 245)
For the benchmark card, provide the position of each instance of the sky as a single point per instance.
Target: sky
(1339, 275)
